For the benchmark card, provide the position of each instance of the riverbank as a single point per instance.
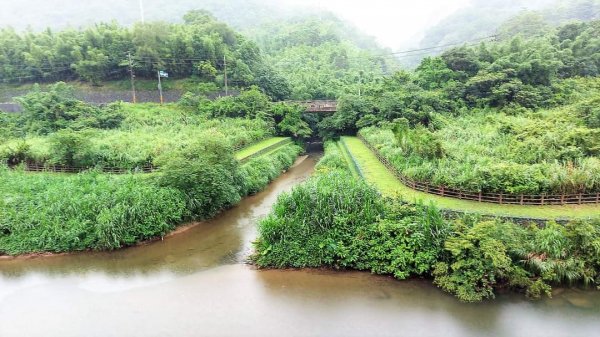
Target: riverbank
(179, 230)
(472, 257)
(376, 173)
(76, 225)
(206, 265)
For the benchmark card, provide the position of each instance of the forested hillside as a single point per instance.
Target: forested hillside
(518, 116)
(322, 56)
(201, 47)
(505, 19)
(300, 56)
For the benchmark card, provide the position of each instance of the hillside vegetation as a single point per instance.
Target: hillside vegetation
(519, 116)
(318, 225)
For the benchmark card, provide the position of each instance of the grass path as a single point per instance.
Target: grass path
(251, 150)
(378, 175)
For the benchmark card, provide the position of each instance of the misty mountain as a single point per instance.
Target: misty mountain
(503, 17)
(59, 14)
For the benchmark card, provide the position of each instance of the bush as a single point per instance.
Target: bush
(206, 172)
(57, 213)
(258, 172)
(314, 224)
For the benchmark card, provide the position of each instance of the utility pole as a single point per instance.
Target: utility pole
(225, 72)
(160, 87)
(132, 77)
(142, 9)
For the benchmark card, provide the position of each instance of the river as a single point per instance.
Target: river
(196, 283)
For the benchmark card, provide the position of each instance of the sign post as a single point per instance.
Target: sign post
(161, 74)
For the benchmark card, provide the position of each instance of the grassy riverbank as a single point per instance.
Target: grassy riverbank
(189, 149)
(44, 212)
(378, 175)
(319, 225)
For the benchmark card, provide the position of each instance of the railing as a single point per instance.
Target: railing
(496, 198)
(34, 167)
(72, 169)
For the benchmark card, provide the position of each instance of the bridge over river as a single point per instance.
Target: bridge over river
(318, 106)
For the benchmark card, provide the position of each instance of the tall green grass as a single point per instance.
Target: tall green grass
(148, 132)
(550, 152)
(56, 213)
(43, 212)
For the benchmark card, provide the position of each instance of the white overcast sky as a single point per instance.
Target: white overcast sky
(393, 22)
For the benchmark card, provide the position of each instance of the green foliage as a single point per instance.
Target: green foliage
(332, 160)
(253, 104)
(315, 225)
(288, 119)
(478, 259)
(146, 133)
(344, 121)
(550, 151)
(404, 244)
(196, 48)
(259, 171)
(55, 109)
(56, 213)
(206, 172)
(320, 56)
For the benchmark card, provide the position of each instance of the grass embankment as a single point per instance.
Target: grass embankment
(377, 174)
(252, 150)
(354, 169)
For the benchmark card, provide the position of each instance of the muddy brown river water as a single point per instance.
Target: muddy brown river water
(196, 284)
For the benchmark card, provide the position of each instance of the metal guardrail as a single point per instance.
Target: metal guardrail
(496, 198)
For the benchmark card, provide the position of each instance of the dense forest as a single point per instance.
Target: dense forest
(282, 61)
(201, 47)
(321, 56)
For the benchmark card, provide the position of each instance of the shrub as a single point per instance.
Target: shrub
(314, 224)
